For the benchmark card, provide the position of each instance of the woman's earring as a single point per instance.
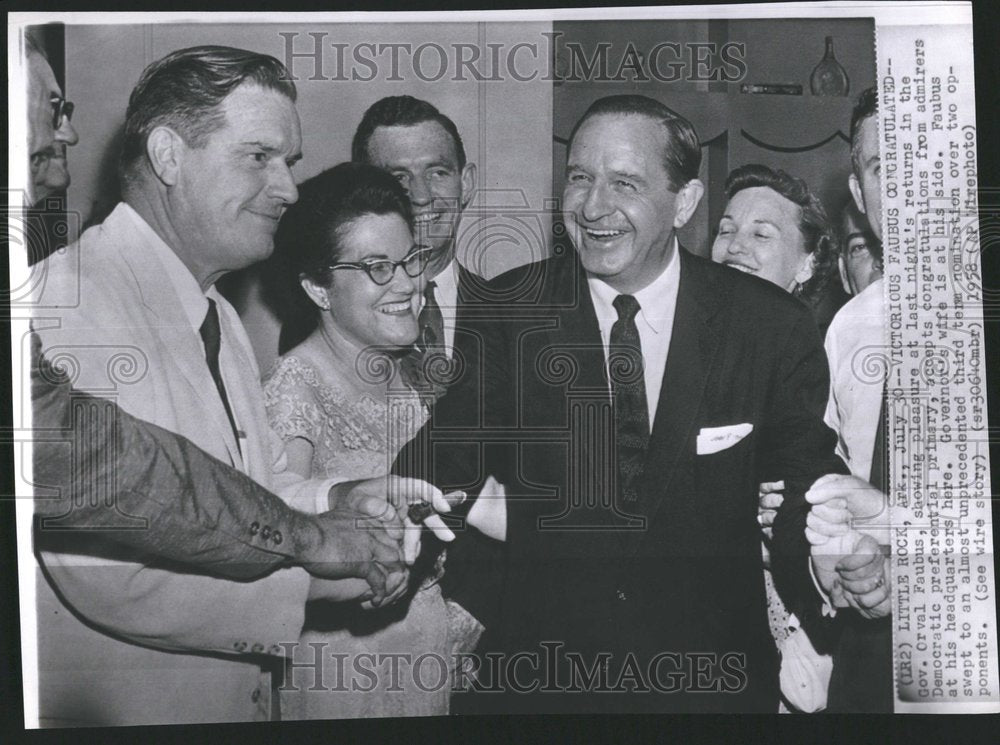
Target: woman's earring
(325, 305)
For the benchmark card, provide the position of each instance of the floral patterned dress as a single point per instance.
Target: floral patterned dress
(350, 662)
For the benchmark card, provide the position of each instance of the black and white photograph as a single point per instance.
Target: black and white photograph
(498, 363)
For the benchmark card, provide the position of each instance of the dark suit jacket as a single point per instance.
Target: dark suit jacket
(678, 572)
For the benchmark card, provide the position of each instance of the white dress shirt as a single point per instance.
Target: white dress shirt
(852, 411)
(655, 322)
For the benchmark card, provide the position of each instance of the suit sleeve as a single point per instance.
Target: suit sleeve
(799, 448)
(194, 508)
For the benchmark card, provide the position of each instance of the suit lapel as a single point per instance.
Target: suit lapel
(694, 348)
(173, 331)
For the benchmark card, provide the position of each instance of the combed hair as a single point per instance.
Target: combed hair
(866, 106)
(185, 91)
(311, 231)
(817, 232)
(681, 153)
(401, 111)
(310, 237)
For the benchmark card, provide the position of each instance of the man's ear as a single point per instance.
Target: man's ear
(468, 183)
(165, 151)
(319, 295)
(686, 202)
(855, 187)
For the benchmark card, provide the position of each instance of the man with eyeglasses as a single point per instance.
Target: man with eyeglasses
(50, 132)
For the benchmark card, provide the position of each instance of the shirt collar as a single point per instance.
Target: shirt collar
(189, 293)
(446, 285)
(656, 300)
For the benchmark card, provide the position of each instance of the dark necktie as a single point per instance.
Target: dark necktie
(431, 322)
(420, 368)
(628, 388)
(880, 453)
(211, 335)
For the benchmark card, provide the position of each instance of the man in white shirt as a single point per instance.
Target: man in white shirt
(211, 134)
(855, 346)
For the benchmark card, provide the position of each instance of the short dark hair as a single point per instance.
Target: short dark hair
(682, 152)
(185, 91)
(401, 111)
(817, 232)
(866, 106)
(309, 236)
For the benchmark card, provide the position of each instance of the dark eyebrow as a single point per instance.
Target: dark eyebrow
(629, 176)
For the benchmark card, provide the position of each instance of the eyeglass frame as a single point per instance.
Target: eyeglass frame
(61, 109)
(368, 266)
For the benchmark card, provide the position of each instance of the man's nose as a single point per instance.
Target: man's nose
(283, 185)
(596, 205)
(418, 191)
(66, 133)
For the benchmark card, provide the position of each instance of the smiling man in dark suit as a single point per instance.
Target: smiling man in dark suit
(631, 396)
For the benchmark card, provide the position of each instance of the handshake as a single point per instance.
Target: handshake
(362, 548)
(845, 527)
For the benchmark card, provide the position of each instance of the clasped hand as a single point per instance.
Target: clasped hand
(368, 541)
(848, 562)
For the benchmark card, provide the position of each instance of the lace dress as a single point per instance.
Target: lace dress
(350, 662)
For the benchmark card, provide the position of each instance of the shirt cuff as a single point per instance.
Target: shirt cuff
(828, 608)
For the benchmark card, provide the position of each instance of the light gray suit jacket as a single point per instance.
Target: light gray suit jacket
(129, 640)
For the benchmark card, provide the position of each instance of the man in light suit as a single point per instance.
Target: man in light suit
(128, 638)
(631, 396)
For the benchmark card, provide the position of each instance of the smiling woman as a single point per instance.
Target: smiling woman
(340, 404)
(776, 228)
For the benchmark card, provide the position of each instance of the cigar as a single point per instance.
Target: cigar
(420, 511)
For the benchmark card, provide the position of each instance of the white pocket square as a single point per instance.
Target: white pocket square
(713, 439)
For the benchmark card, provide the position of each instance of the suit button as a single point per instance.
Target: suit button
(620, 594)
(255, 696)
(275, 650)
(257, 648)
(265, 532)
(277, 537)
(254, 527)
(240, 646)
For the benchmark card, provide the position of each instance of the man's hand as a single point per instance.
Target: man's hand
(771, 498)
(864, 577)
(388, 498)
(852, 570)
(347, 545)
(863, 504)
